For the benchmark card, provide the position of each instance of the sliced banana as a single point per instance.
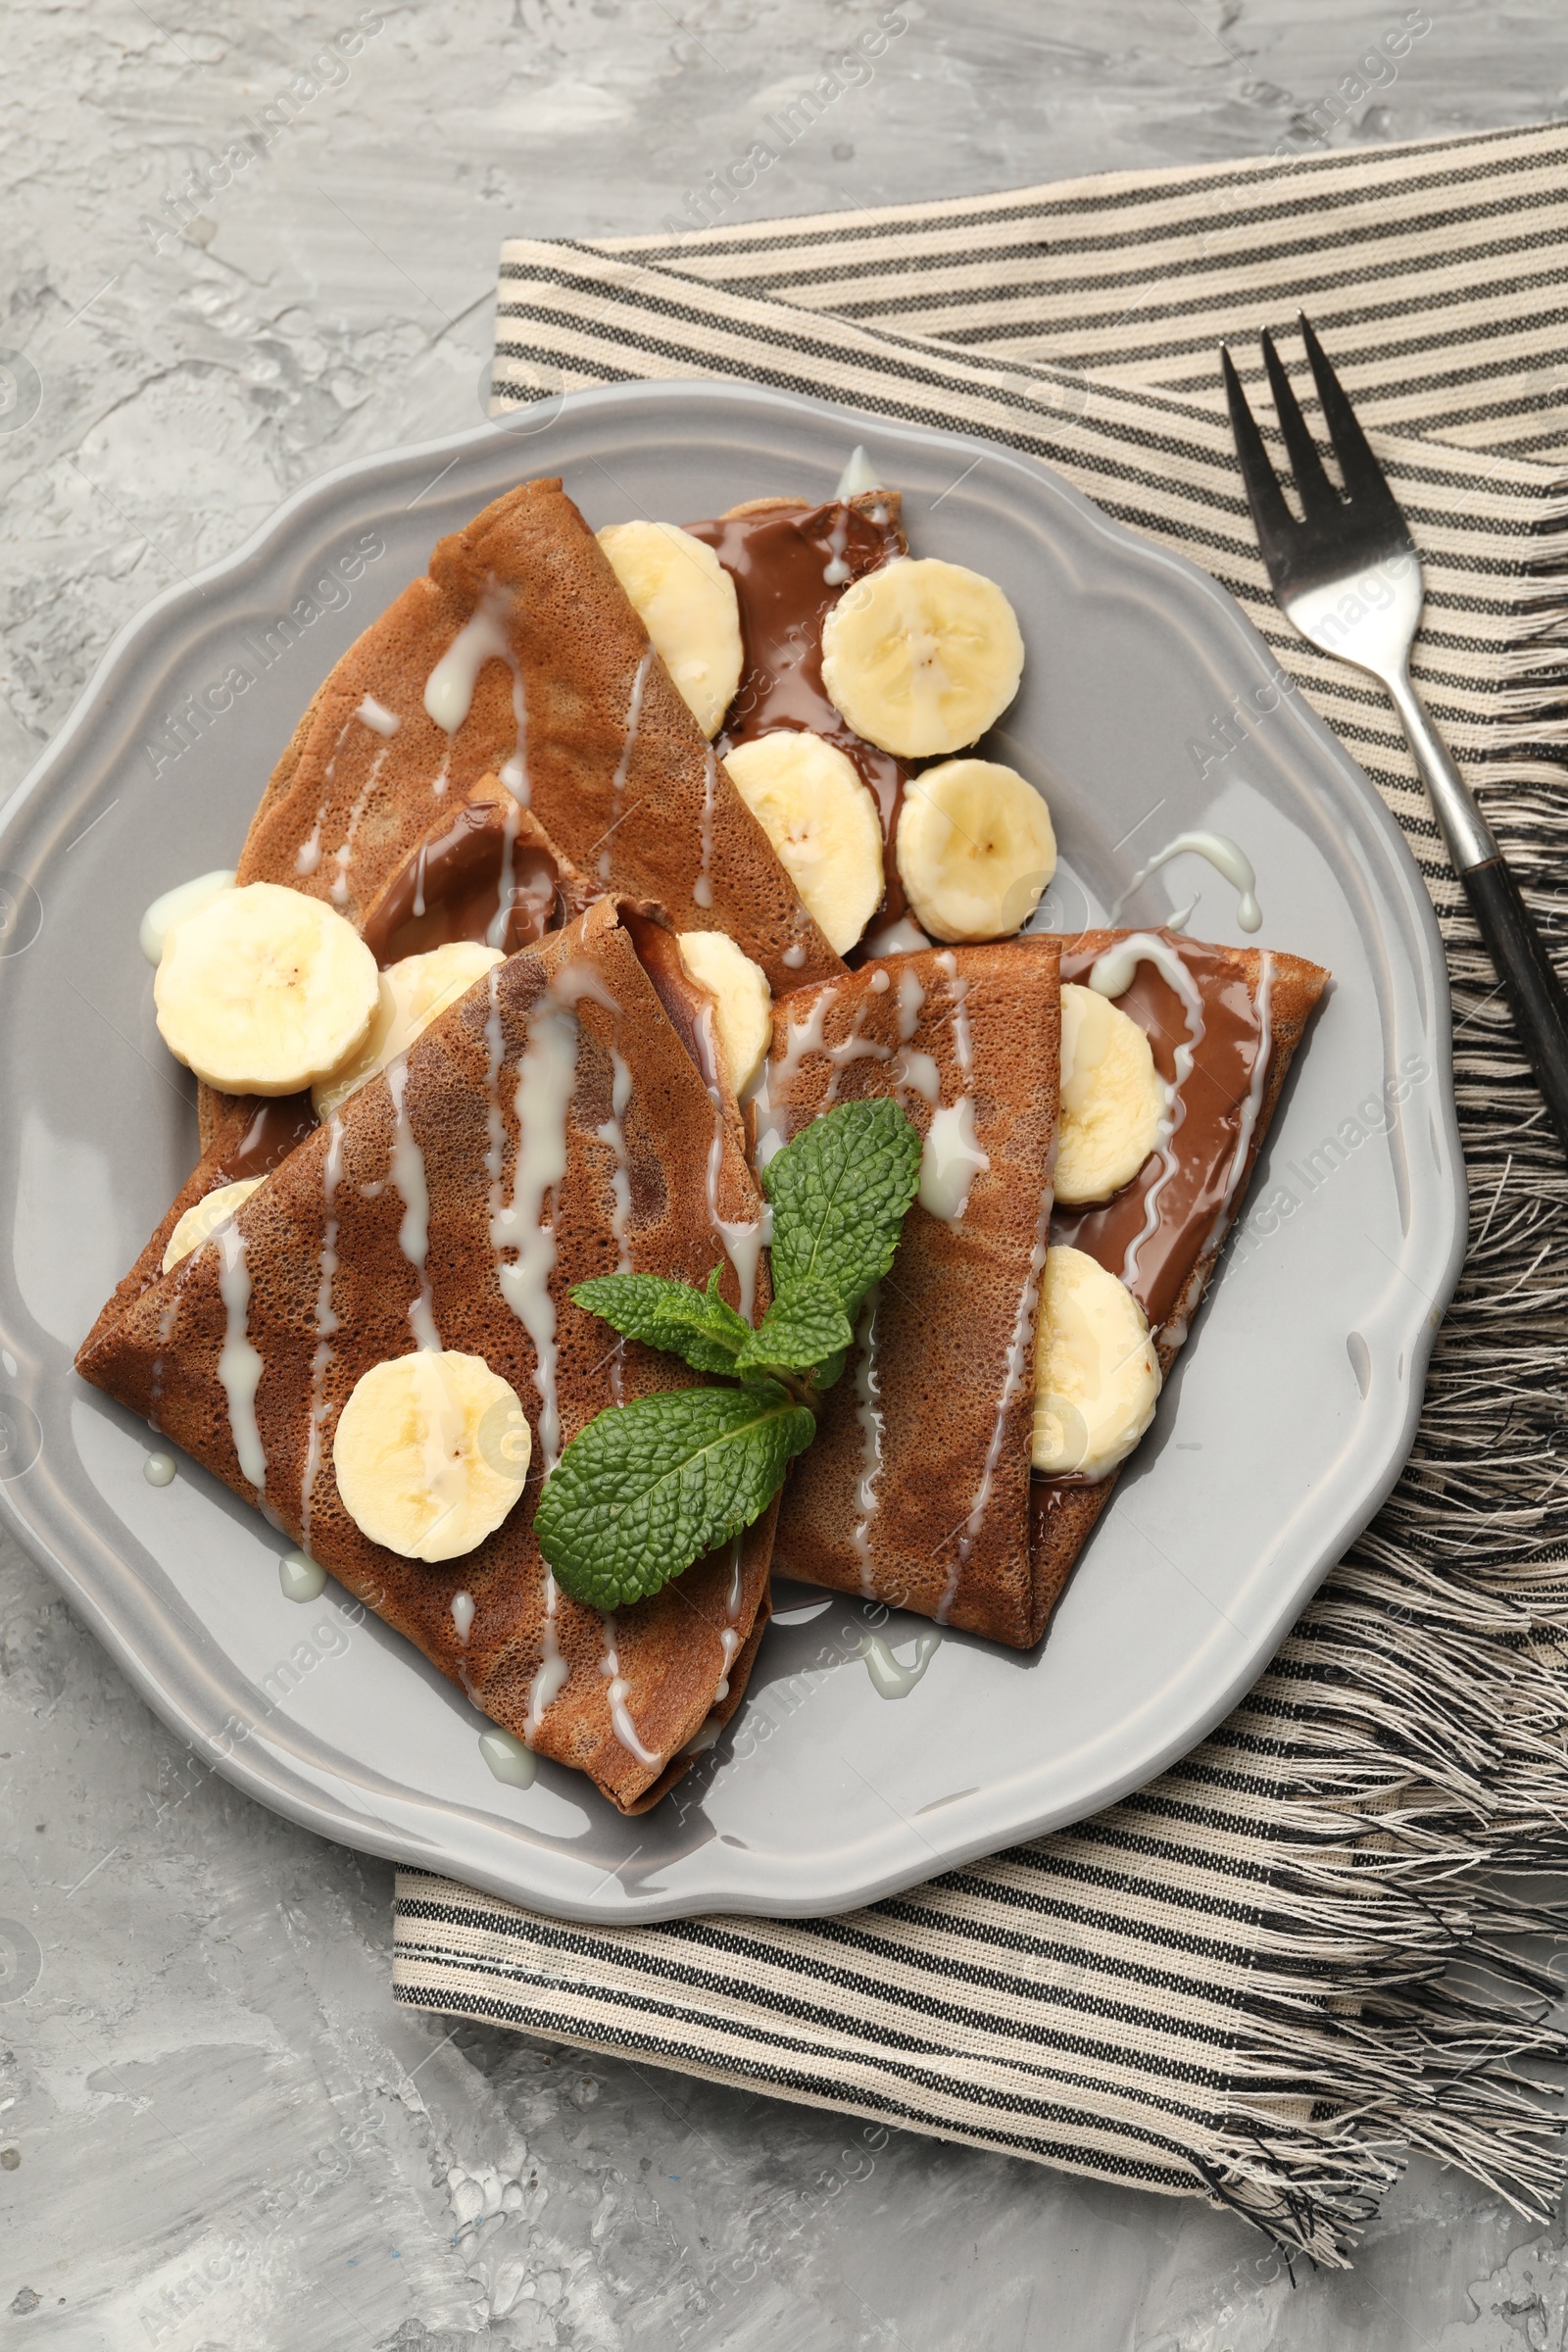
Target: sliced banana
(264, 990)
(1097, 1377)
(975, 848)
(1114, 1102)
(410, 997)
(686, 601)
(743, 1001)
(821, 820)
(204, 1216)
(430, 1452)
(921, 655)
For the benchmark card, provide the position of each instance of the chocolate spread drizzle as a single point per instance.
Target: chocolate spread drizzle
(778, 560)
(279, 1124)
(1192, 1201)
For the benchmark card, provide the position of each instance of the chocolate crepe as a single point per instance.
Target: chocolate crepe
(567, 703)
(1256, 1004)
(916, 1489)
(652, 1178)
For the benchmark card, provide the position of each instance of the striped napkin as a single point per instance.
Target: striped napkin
(1273, 1971)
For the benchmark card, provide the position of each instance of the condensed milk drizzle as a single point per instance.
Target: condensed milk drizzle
(743, 1238)
(406, 1172)
(327, 1324)
(702, 887)
(730, 1632)
(618, 782)
(950, 1157)
(339, 892)
(1019, 1368)
(1210, 1042)
(239, 1366)
(869, 1413)
(1225, 856)
(616, 1694)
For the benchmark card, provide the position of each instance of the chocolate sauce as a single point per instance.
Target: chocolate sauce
(779, 562)
(280, 1123)
(1203, 1145)
(450, 889)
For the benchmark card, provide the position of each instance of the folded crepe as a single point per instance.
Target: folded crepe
(483, 851)
(1162, 1233)
(524, 644)
(331, 1275)
(916, 1491)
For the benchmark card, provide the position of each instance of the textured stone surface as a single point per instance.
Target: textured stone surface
(217, 2134)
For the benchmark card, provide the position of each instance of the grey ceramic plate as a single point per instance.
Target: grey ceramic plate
(1282, 1429)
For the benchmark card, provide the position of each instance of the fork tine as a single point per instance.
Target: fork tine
(1272, 518)
(1364, 477)
(1318, 494)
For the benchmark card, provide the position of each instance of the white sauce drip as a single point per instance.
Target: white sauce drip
(326, 1322)
(186, 898)
(730, 1633)
(239, 1366)
(903, 937)
(406, 1172)
(496, 931)
(301, 1577)
(888, 1679)
(1253, 1102)
(339, 892)
(159, 1469)
(377, 716)
(858, 478)
(794, 956)
(1111, 976)
(545, 1077)
(836, 571)
(449, 689)
(803, 1037)
(1227, 858)
(951, 1158)
(462, 1615)
(620, 1690)
(702, 887)
(507, 1758)
(618, 782)
(869, 1413)
(1020, 1367)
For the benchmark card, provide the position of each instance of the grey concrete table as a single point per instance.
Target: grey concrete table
(216, 2134)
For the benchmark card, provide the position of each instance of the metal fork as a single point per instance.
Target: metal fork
(1348, 576)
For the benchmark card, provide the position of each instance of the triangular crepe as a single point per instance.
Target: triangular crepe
(652, 1181)
(545, 675)
(1162, 1233)
(1254, 1006)
(916, 1489)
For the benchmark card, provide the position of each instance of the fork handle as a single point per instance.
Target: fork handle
(1505, 923)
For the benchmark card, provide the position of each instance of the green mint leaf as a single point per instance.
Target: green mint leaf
(839, 1192)
(803, 1329)
(647, 1488)
(672, 1316)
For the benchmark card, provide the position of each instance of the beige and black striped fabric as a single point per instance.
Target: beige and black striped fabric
(1240, 1982)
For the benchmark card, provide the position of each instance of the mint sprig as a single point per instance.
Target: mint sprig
(649, 1487)
(698, 1326)
(840, 1192)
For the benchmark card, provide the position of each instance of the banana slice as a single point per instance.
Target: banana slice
(743, 1001)
(1097, 1377)
(1114, 1102)
(264, 990)
(976, 849)
(430, 1452)
(409, 996)
(686, 601)
(822, 821)
(921, 655)
(204, 1216)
